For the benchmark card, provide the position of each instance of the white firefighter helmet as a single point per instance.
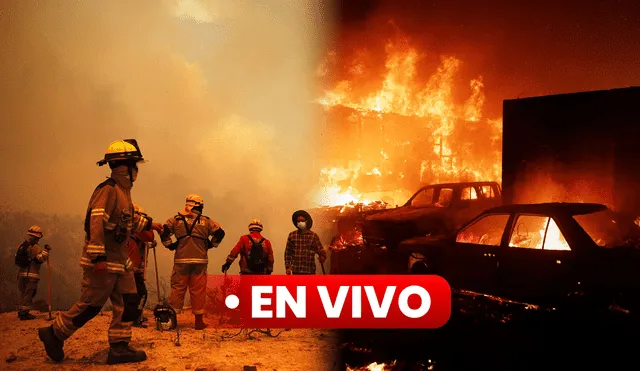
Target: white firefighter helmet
(195, 200)
(34, 231)
(122, 150)
(255, 224)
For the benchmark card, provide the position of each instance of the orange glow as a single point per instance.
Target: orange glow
(374, 367)
(524, 236)
(554, 240)
(441, 138)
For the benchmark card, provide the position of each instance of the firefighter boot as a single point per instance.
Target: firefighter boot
(200, 325)
(52, 344)
(139, 323)
(25, 316)
(122, 353)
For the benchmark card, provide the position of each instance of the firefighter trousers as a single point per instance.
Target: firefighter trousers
(27, 287)
(142, 291)
(96, 289)
(194, 277)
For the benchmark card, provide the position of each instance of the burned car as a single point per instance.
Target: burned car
(437, 208)
(549, 254)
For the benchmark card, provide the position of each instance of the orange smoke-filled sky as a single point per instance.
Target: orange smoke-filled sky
(520, 49)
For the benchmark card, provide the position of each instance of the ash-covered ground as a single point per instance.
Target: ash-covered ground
(294, 350)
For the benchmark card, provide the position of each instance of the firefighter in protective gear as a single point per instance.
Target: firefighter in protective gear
(302, 246)
(29, 276)
(109, 222)
(195, 235)
(260, 264)
(136, 249)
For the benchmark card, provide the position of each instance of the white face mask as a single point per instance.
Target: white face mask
(302, 225)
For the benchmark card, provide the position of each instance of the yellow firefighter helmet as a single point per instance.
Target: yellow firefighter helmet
(195, 200)
(255, 224)
(35, 231)
(122, 150)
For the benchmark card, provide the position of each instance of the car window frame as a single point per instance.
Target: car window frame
(544, 238)
(455, 196)
(492, 189)
(480, 217)
(475, 189)
(415, 195)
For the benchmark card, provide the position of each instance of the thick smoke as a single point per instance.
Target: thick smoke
(216, 93)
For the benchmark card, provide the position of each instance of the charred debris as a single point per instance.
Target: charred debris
(543, 266)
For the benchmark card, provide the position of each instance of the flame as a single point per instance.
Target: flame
(554, 239)
(534, 239)
(440, 124)
(375, 366)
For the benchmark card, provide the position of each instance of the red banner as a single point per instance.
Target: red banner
(333, 301)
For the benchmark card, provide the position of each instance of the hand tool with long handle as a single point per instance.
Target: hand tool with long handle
(155, 260)
(146, 257)
(321, 266)
(49, 287)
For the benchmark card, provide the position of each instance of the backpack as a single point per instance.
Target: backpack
(256, 261)
(22, 255)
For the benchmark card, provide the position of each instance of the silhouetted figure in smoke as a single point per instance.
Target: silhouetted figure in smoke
(29, 257)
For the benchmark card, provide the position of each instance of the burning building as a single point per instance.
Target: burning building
(385, 140)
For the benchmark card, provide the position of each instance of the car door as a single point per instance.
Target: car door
(535, 265)
(468, 205)
(471, 264)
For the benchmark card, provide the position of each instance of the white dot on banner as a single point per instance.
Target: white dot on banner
(232, 301)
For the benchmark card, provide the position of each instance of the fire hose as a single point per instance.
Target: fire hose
(246, 331)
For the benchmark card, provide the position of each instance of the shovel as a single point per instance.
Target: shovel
(146, 257)
(322, 266)
(155, 260)
(49, 288)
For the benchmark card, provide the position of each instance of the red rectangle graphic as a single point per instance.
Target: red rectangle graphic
(349, 301)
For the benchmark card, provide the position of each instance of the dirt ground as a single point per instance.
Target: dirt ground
(297, 349)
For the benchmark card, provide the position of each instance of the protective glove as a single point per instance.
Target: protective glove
(47, 247)
(153, 244)
(157, 227)
(225, 267)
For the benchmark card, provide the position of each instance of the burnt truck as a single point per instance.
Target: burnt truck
(578, 147)
(433, 209)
